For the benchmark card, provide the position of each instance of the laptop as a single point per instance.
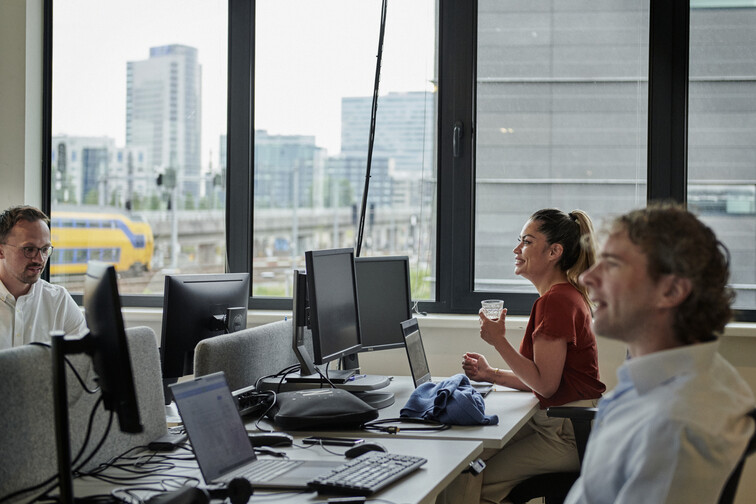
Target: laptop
(221, 444)
(418, 362)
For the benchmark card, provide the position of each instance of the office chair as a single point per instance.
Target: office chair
(731, 487)
(553, 487)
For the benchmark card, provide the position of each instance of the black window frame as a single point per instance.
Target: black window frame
(457, 29)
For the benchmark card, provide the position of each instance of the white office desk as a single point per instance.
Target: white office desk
(445, 461)
(514, 409)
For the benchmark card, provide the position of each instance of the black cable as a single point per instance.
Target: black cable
(70, 365)
(99, 445)
(371, 141)
(86, 442)
(157, 465)
(381, 425)
(325, 376)
(54, 477)
(272, 403)
(88, 434)
(283, 372)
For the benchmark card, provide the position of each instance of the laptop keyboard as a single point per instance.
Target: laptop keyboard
(265, 469)
(367, 473)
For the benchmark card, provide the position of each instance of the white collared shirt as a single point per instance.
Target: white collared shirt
(671, 431)
(31, 317)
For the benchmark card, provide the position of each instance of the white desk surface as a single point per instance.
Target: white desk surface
(445, 461)
(514, 408)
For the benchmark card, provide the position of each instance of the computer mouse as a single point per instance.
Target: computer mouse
(270, 439)
(361, 448)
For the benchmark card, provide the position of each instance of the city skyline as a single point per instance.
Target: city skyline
(96, 106)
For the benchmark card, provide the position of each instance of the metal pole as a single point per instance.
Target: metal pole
(60, 404)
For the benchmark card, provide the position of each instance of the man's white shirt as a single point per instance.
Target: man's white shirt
(46, 307)
(671, 431)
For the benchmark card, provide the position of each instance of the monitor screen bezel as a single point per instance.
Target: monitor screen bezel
(111, 359)
(177, 315)
(319, 333)
(368, 346)
(420, 370)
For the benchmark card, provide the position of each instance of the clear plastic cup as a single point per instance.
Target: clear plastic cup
(492, 307)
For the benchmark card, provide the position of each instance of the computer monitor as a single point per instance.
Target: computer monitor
(332, 295)
(110, 352)
(196, 307)
(108, 348)
(384, 301)
(300, 322)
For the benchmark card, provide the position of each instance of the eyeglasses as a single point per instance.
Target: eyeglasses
(31, 252)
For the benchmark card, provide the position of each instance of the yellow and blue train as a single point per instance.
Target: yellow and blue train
(79, 237)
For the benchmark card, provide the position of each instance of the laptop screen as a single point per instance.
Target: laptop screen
(214, 426)
(415, 352)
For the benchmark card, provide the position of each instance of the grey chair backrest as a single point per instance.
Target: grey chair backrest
(247, 355)
(27, 432)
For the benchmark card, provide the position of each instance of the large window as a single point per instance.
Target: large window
(256, 113)
(722, 134)
(137, 151)
(315, 66)
(561, 109)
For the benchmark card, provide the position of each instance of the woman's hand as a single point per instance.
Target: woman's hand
(493, 331)
(476, 367)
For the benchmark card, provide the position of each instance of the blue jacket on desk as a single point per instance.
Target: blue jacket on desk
(452, 401)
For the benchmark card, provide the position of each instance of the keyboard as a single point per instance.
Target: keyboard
(265, 469)
(367, 474)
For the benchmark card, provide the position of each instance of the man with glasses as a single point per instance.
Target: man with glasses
(29, 307)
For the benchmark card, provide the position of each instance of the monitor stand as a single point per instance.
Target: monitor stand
(377, 400)
(336, 376)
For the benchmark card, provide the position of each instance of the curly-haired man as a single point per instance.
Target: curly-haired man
(675, 426)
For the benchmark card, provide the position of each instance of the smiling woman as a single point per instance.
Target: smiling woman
(557, 359)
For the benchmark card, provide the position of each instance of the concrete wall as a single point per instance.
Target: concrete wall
(20, 102)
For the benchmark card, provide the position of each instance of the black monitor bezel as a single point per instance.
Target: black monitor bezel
(110, 349)
(175, 289)
(399, 343)
(315, 324)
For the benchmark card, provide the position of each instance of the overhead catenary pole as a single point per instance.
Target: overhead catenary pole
(373, 113)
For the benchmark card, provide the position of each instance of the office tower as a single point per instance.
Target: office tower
(402, 147)
(404, 129)
(93, 171)
(81, 169)
(163, 112)
(288, 171)
(350, 169)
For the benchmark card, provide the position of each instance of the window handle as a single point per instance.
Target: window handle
(457, 139)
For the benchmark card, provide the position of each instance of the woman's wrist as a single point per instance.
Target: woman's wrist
(496, 374)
